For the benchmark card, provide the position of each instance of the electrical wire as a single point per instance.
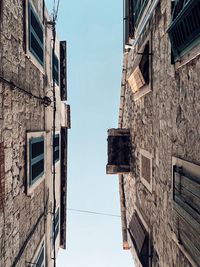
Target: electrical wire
(44, 100)
(94, 212)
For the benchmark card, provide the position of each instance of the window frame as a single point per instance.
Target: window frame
(57, 148)
(147, 87)
(148, 155)
(188, 44)
(29, 52)
(57, 226)
(146, 228)
(53, 57)
(141, 10)
(194, 170)
(32, 184)
(38, 252)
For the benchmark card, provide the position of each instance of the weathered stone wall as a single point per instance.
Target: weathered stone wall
(164, 122)
(19, 113)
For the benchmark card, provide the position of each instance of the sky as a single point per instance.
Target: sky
(93, 30)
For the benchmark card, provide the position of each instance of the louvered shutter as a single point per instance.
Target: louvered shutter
(140, 239)
(186, 196)
(36, 36)
(63, 70)
(184, 31)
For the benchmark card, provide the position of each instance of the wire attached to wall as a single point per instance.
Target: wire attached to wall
(46, 101)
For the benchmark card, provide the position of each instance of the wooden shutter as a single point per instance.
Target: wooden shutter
(63, 70)
(185, 26)
(55, 68)
(140, 239)
(36, 36)
(128, 21)
(140, 75)
(146, 168)
(186, 196)
(63, 188)
(36, 158)
(136, 80)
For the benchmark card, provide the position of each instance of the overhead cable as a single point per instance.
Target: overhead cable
(94, 212)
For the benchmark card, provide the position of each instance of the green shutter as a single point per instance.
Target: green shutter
(184, 31)
(36, 150)
(55, 68)
(57, 148)
(36, 36)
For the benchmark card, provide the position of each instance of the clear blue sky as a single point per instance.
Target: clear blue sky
(93, 30)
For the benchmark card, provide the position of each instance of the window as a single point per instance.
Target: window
(36, 36)
(55, 68)
(40, 262)
(139, 80)
(35, 159)
(39, 258)
(186, 206)
(184, 31)
(56, 228)
(128, 21)
(56, 153)
(140, 239)
(133, 10)
(138, 8)
(146, 169)
(63, 71)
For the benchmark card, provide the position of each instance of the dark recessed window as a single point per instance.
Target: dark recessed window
(57, 147)
(55, 68)
(138, 8)
(40, 261)
(56, 228)
(36, 159)
(36, 36)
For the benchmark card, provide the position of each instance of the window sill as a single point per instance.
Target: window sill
(141, 92)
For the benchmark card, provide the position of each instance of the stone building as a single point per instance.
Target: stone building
(156, 148)
(29, 69)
